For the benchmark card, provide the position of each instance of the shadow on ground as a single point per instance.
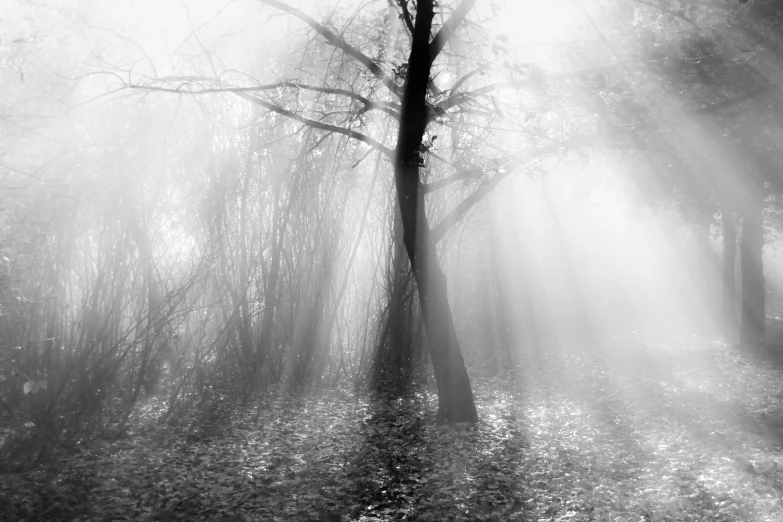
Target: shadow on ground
(672, 430)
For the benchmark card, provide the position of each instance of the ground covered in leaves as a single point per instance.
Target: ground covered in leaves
(632, 431)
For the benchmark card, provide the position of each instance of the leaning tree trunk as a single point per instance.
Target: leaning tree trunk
(455, 397)
(752, 274)
(398, 336)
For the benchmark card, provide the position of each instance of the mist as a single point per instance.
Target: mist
(390, 260)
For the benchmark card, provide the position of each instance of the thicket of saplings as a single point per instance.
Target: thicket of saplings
(106, 305)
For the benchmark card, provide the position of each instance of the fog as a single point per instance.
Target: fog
(129, 114)
(230, 199)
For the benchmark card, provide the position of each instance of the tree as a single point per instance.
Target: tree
(413, 106)
(707, 134)
(734, 101)
(455, 398)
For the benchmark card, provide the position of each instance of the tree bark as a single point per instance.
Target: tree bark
(752, 274)
(455, 397)
(729, 262)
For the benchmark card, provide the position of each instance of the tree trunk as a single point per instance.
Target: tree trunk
(455, 397)
(280, 222)
(729, 262)
(393, 362)
(752, 274)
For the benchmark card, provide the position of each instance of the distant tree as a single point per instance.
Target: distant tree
(734, 102)
(681, 93)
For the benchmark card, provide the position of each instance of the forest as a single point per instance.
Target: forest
(386, 260)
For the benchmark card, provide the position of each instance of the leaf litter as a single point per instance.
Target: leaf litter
(632, 431)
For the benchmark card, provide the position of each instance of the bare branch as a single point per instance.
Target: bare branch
(458, 83)
(509, 166)
(463, 97)
(339, 43)
(244, 92)
(387, 107)
(453, 178)
(456, 18)
(462, 208)
(130, 41)
(406, 15)
(318, 124)
(194, 34)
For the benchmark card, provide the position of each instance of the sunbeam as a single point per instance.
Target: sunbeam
(391, 260)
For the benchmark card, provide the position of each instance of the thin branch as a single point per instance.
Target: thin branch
(317, 124)
(406, 15)
(447, 30)
(463, 97)
(458, 83)
(194, 34)
(207, 22)
(387, 107)
(462, 208)
(453, 178)
(130, 41)
(19, 171)
(433, 154)
(339, 43)
(458, 212)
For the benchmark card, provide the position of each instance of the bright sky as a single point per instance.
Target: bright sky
(530, 23)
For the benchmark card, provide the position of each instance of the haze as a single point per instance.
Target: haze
(391, 260)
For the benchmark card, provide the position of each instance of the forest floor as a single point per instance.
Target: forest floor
(678, 430)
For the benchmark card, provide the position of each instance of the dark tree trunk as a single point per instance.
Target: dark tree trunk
(752, 274)
(729, 262)
(392, 362)
(455, 397)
